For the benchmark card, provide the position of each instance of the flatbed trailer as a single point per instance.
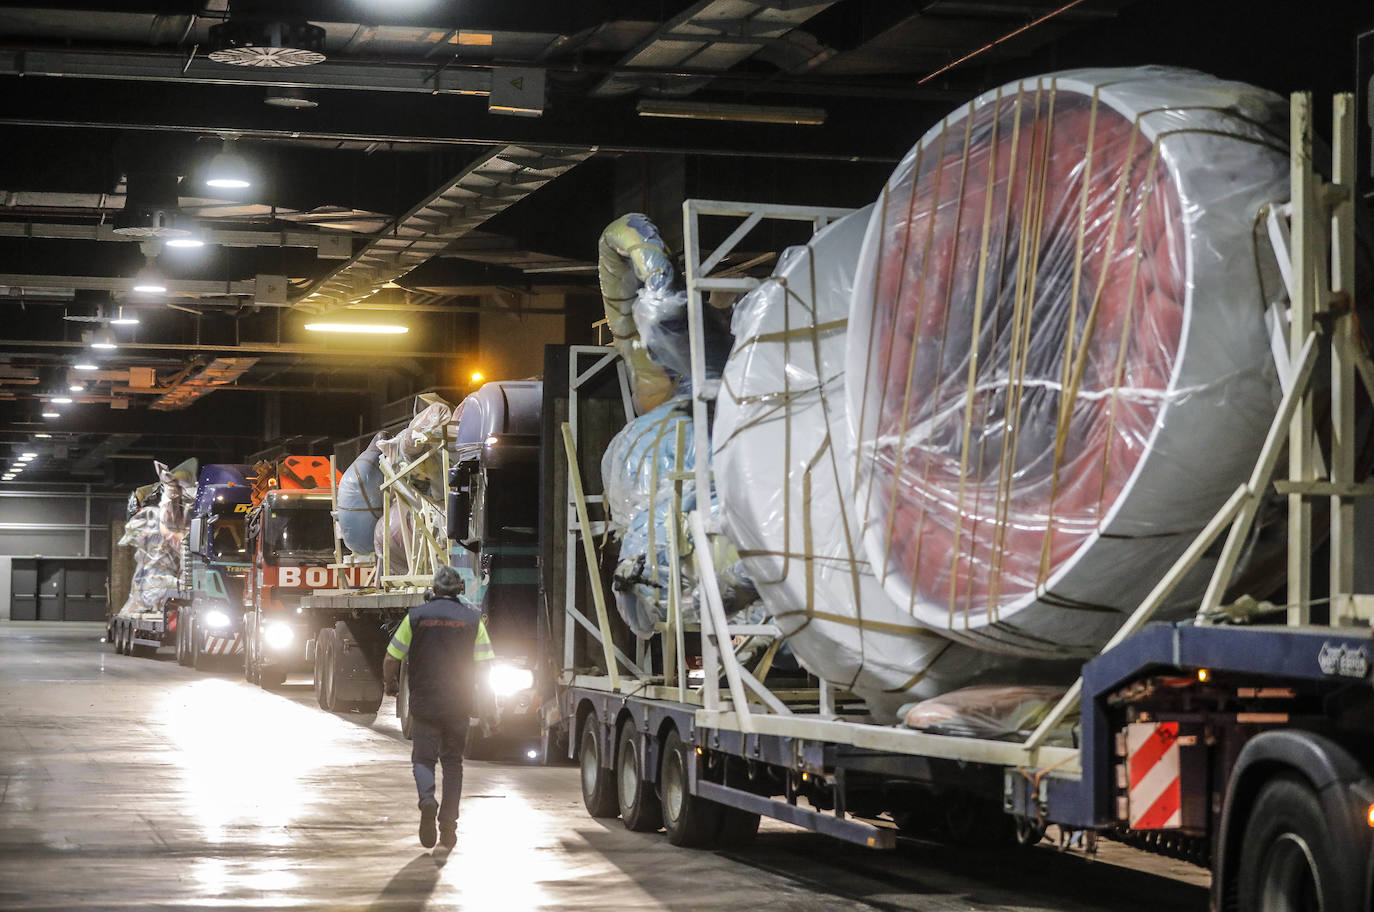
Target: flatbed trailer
(1244, 747)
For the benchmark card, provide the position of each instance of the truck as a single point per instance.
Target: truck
(1235, 741)
(480, 518)
(209, 628)
(290, 544)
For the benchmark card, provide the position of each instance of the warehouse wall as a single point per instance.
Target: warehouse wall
(511, 345)
(54, 551)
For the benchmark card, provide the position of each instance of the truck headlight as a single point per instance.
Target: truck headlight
(216, 619)
(278, 635)
(509, 679)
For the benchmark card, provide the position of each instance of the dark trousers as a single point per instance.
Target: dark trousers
(439, 741)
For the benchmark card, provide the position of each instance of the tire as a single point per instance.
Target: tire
(119, 638)
(598, 785)
(638, 801)
(183, 640)
(691, 821)
(199, 660)
(737, 828)
(403, 701)
(1288, 861)
(250, 670)
(324, 670)
(367, 707)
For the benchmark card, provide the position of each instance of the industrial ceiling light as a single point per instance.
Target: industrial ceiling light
(103, 339)
(76, 388)
(29, 455)
(52, 414)
(183, 243)
(150, 209)
(228, 170)
(122, 320)
(388, 329)
(737, 113)
(149, 280)
(292, 97)
(61, 400)
(83, 366)
(43, 436)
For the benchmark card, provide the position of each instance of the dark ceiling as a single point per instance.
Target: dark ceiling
(458, 157)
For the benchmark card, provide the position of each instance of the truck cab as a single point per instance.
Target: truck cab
(291, 540)
(211, 626)
(493, 515)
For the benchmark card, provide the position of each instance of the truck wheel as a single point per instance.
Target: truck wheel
(119, 638)
(183, 656)
(598, 785)
(128, 638)
(250, 671)
(324, 670)
(640, 810)
(199, 660)
(691, 821)
(403, 701)
(1286, 855)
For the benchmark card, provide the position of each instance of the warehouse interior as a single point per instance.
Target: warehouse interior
(191, 189)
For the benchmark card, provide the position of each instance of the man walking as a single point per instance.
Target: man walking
(448, 648)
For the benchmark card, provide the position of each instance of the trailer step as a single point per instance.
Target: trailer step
(855, 831)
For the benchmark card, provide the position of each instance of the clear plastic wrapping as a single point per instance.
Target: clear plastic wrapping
(1058, 356)
(640, 457)
(985, 711)
(633, 258)
(156, 532)
(360, 499)
(784, 470)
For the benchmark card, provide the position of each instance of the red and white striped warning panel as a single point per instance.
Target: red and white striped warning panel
(218, 646)
(1155, 794)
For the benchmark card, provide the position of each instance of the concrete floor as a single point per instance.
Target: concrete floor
(131, 783)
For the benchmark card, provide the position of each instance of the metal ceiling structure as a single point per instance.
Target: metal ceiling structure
(445, 165)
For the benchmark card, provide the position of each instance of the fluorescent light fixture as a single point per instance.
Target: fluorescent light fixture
(228, 170)
(122, 320)
(25, 457)
(43, 436)
(77, 388)
(85, 367)
(185, 243)
(61, 400)
(52, 414)
(737, 113)
(103, 339)
(388, 329)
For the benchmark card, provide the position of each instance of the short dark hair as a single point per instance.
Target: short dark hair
(447, 583)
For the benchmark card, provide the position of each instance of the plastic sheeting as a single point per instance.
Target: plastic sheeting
(639, 458)
(781, 415)
(632, 257)
(1058, 356)
(155, 532)
(426, 480)
(360, 499)
(986, 711)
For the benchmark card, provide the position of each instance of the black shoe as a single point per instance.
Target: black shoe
(428, 811)
(448, 834)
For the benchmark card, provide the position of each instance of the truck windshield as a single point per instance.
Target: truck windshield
(227, 541)
(301, 529)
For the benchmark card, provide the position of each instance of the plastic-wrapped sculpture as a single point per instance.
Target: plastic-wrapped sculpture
(360, 499)
(995, 397)
(155, 532)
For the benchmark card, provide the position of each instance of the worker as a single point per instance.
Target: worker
(448, 647)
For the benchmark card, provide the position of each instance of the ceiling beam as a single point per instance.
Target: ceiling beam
(328, 244)
(189, 287)
(247, 348)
